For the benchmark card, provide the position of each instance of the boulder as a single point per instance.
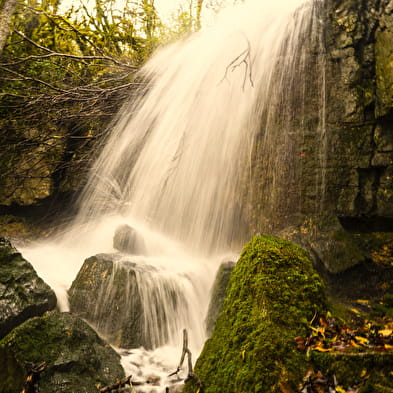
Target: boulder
(128, 240)
(131, 304)
(77, 359)
(334, 249)
(273, 293)
(23, 294)
(218, 294)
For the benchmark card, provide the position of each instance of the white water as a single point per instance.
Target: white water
(174, 165)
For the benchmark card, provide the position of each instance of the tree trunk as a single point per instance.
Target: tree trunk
(6, 12)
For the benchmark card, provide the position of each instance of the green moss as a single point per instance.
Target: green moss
(273, 293)
(378, 246)
(364, 370)
(77, 359)
(384, 68)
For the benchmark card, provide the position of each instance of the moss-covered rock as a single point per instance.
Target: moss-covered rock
(23, 294)
(273, 293)
(77, 359)
(369, 371)
(218, 294)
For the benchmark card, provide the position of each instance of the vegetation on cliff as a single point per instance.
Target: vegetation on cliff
(65, 74)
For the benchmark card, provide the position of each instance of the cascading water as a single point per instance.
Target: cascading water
(177, 166)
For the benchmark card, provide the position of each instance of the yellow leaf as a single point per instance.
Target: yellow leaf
(387, 346)
(385, 332)
(353, 343)
(354, 310)
(199, 389)
(339, 389)
(363, 373)
(361, 340)
(243, 354)
(321, 349)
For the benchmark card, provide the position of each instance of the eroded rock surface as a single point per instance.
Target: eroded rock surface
(23, 294)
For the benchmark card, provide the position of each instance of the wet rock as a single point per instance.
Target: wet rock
(333, 248)
(77, 359)
(118, 298)
(218, 294)
(103, 295)
(23, 294)
(128, 240)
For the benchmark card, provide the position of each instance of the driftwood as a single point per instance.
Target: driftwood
(117, 385)
(154, 380)
(33, 376)
(127, 381)
(190, 375)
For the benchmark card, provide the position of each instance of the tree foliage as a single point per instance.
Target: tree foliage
(62, 77)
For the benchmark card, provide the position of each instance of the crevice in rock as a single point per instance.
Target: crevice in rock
(367, 224)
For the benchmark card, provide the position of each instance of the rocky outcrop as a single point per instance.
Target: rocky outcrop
(23, 294)
(218, 294)
(334, 164)
(359, 73)
(108, 298)
(77, 359)
(116, 296)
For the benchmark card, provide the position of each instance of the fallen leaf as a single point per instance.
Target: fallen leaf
(353, 343)
(361, 340)
(385, 332)
(321, 349)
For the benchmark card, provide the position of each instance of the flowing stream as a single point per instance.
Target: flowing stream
(176, 168)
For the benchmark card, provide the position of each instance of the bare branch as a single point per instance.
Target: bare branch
(75, 57)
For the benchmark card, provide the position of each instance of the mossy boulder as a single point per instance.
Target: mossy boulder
(77, 359)
(23, 294)
(218, 294)
(273, 293)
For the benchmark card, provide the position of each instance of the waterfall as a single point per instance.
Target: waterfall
(179, 163)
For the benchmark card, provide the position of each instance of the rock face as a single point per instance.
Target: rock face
(252, 348)
(77, 359)
(335, 162)
(218, 294)
(116, 296)
(23, 294)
